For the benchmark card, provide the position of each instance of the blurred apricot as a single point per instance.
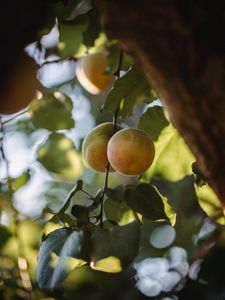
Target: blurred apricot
(90, 73)
(21, 86)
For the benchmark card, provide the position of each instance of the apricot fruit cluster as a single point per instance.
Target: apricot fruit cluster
(129, 151)
(90, 72)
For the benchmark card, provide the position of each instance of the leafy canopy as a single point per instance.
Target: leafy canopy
(99, 220)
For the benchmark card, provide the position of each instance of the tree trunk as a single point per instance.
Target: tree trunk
(181, 48)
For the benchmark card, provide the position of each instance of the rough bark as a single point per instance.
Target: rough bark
(181, 48)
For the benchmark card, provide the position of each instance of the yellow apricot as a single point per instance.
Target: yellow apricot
(90, 72)
(94, 147)
(130, 151)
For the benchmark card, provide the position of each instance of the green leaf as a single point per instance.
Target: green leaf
(62, 11)
(47, 22)
(199, 177)
(116, 194)
(58, 155)
(127, 62)
(121, 242)
(52, 113)
(71, 36)
(128, 91)
(56, 222)
(93, 29)
(118, 212)
(115, 207)
(209, 202)
(5, 235)
(170, 213)
(61, 216)
(113, 58)
(78, 187)
(81, 213)
(54, 261)
(146, 200)
(173, 159)
(109, 264)
(153, 121)
(20, 181)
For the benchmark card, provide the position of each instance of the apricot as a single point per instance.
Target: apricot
(130, 151)
(90, 73)
(21, 86)
(94, 147)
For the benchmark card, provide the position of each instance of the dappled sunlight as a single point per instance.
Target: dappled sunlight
(109, 264)
(70, 163)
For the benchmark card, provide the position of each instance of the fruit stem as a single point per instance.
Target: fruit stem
(117, 74)
(115, 116)
(103, 193)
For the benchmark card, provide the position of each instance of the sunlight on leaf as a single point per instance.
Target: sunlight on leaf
(112, 58)
(110, 264)
(209, 202)
(147, 201)
(131, 89)
(52, 112)
(20, 181)
(50, 227)
(58, 155)
(172, 216)
(121, 242)
(74, 28)
(118, 212)
(54, 261)
(173, 158)
(153, 121)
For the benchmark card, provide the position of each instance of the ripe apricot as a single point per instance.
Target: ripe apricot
(130, 151)
(90, 72)
(94, 147)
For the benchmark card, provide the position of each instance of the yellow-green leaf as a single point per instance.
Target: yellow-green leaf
(173, 159)
(59, 156)
(210, 203)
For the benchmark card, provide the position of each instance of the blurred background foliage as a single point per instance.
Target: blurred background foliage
(178, 250)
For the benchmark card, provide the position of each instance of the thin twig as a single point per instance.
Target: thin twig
(103, 193)
(89, 195)
(68, 199)
(56, 61)
(15, 116)
(117, 74)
